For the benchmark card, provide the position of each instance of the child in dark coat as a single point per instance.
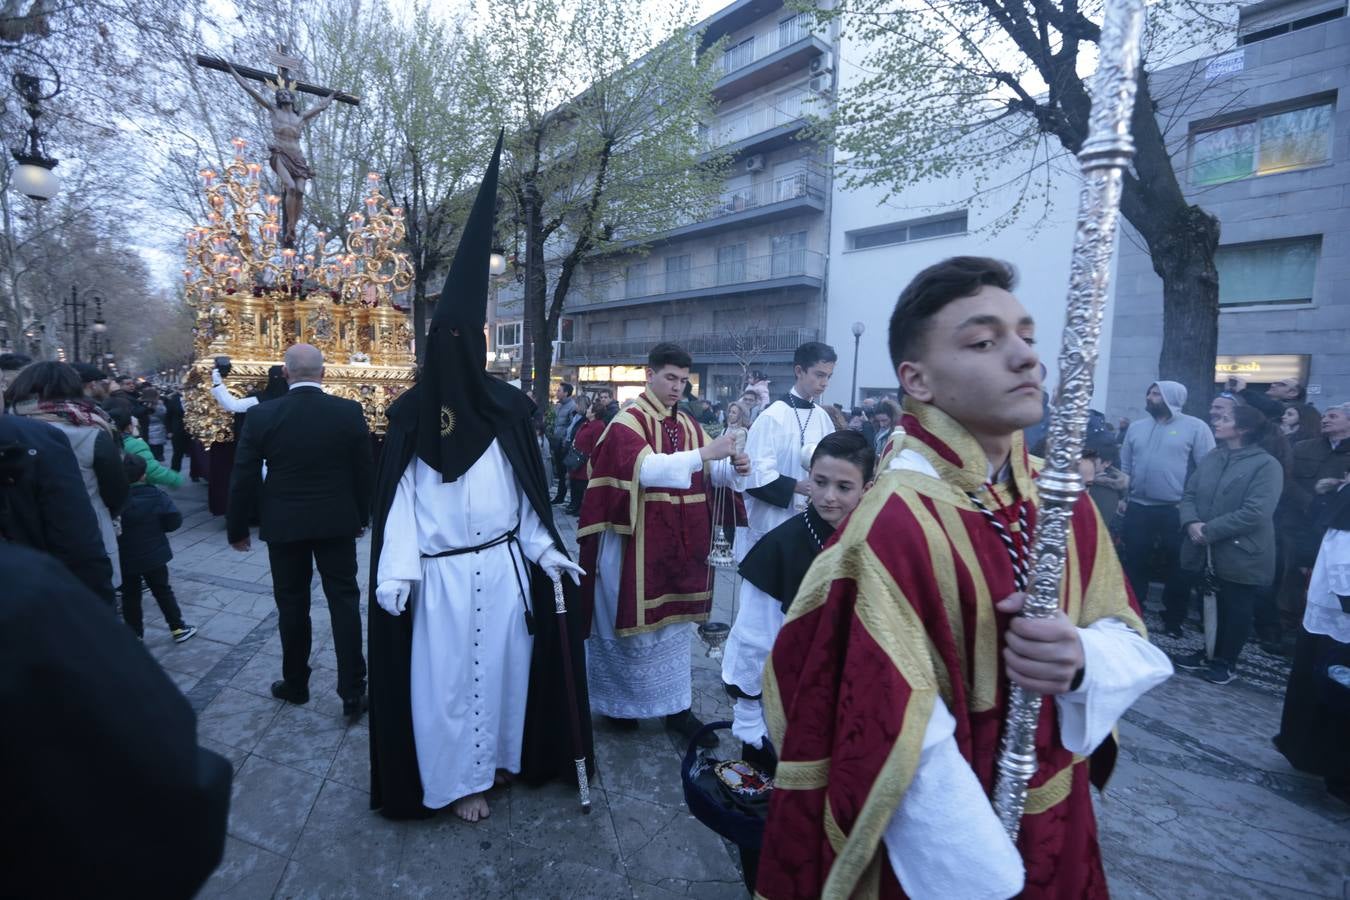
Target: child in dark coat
(145, 553)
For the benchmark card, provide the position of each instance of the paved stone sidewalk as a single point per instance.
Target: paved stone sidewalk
(1201, 806)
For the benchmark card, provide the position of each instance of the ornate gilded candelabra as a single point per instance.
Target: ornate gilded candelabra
(254, 298)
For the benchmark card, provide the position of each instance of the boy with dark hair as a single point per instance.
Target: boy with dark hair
(886, 689)
(778, 484)
(145, 552)
(644, 532)
(842, 468)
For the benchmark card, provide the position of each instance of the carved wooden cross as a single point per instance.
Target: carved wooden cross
(285, 65)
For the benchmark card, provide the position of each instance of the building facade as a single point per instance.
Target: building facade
(742, 286)
(1263, 143)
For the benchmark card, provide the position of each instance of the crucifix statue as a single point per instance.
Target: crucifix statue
(287, 158)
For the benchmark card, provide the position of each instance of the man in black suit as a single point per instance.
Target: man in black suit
(315, 503)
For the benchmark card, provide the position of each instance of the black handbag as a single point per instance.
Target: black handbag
(573, 459)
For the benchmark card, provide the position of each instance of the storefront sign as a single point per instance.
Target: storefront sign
(1261, 369)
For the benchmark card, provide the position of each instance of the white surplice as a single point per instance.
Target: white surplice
(775, 448)
(471, 651)
(944, 840)
(643, 675)
(757, 624)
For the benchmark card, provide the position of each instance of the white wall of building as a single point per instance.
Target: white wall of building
(864, 284)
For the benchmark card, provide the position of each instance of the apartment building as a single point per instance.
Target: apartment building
(742, 286)
(1264, 144)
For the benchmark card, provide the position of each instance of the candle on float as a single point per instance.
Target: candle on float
(272, 201)
(208, 176)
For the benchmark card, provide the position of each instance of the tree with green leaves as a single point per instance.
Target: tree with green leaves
(953, 90)
(601, 102)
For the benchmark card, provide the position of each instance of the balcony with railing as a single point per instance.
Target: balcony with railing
(787, 195)
(758, 59)
(766, 344)
(761, 127)
(731, 274)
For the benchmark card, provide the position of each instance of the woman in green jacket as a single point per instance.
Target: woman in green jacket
(155, 471)
(1227, 516)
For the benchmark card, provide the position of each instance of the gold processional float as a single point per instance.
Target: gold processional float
(253, 298)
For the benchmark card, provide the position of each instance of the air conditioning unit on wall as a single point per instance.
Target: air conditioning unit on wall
(754, 163)
(822, 64)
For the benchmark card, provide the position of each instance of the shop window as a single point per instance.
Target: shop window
(1268, 273)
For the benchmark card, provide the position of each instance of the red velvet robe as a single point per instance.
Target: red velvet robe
(665, 577)
(897, 614)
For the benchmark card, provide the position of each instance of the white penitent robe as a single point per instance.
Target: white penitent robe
(471, 651)
(643, 675)
(775, 449)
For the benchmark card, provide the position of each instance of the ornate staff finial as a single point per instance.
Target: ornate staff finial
(1104, 156)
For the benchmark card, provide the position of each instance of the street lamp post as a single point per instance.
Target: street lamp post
(858, 329)
(33, 176)
(76, 319)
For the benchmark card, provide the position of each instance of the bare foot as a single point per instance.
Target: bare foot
(502, 778)
(471, 808)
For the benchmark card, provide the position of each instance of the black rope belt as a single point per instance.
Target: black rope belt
(511, 539)
(460, 551)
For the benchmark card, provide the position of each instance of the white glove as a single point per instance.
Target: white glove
(555, 563)
(748, 722)
(393, 596)
(215, 377)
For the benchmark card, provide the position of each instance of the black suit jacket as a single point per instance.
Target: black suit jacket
(319, 469)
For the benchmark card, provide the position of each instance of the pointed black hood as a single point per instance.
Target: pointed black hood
(457, 417)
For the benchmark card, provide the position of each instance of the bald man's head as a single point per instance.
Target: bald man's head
(303, 362)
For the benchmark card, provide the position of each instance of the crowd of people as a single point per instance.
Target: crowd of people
(884, 552)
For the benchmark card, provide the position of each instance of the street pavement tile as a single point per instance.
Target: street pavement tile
(235, 756)
(194, 657)
(183, 682)
(227, 627)
(256, 675)
(666, 846)
(237, 718)
(246, 873)
(463, 862)
(1127, 830)
(251, 606)
(1315, 866)
(351, 765)
(549, 818)
(302, 739)
(640, 764)
(1173, 880)
(546, 874)
(270, 804)
(1254, 805)
(345, 850)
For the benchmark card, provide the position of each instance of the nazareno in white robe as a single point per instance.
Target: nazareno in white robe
(470, 666)
(644, 675)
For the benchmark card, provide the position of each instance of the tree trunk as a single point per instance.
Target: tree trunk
(1190, 326)
(534, 333)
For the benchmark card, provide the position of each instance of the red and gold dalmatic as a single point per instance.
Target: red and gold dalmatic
(897, 614)
(665, 570)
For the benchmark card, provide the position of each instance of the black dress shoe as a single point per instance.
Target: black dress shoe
(354, 709)
(686, 725)
(623, 724)
(283, 691)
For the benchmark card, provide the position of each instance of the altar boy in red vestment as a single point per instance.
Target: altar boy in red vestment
(644, 532)
(886, 690)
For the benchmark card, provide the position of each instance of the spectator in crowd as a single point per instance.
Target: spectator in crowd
(1300, 423)
(545, 449)
(1157, 456)
(176, 425)
(108, 794)
(44, 505)
(564, 412)
(155, 423)
(1318, 465)
(882, 423)
(1315, 726)
(1228, 513)
(145, 552)
(611, 405)
(1275, 399)
(10, 364)
(739, 415)
(315, 502)
(155, 471)
(583, 442)
(836, 414)
(1109, 486)
(95, 381)
(52, 392)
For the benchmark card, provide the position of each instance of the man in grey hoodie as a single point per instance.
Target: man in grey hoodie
(1158, 454)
